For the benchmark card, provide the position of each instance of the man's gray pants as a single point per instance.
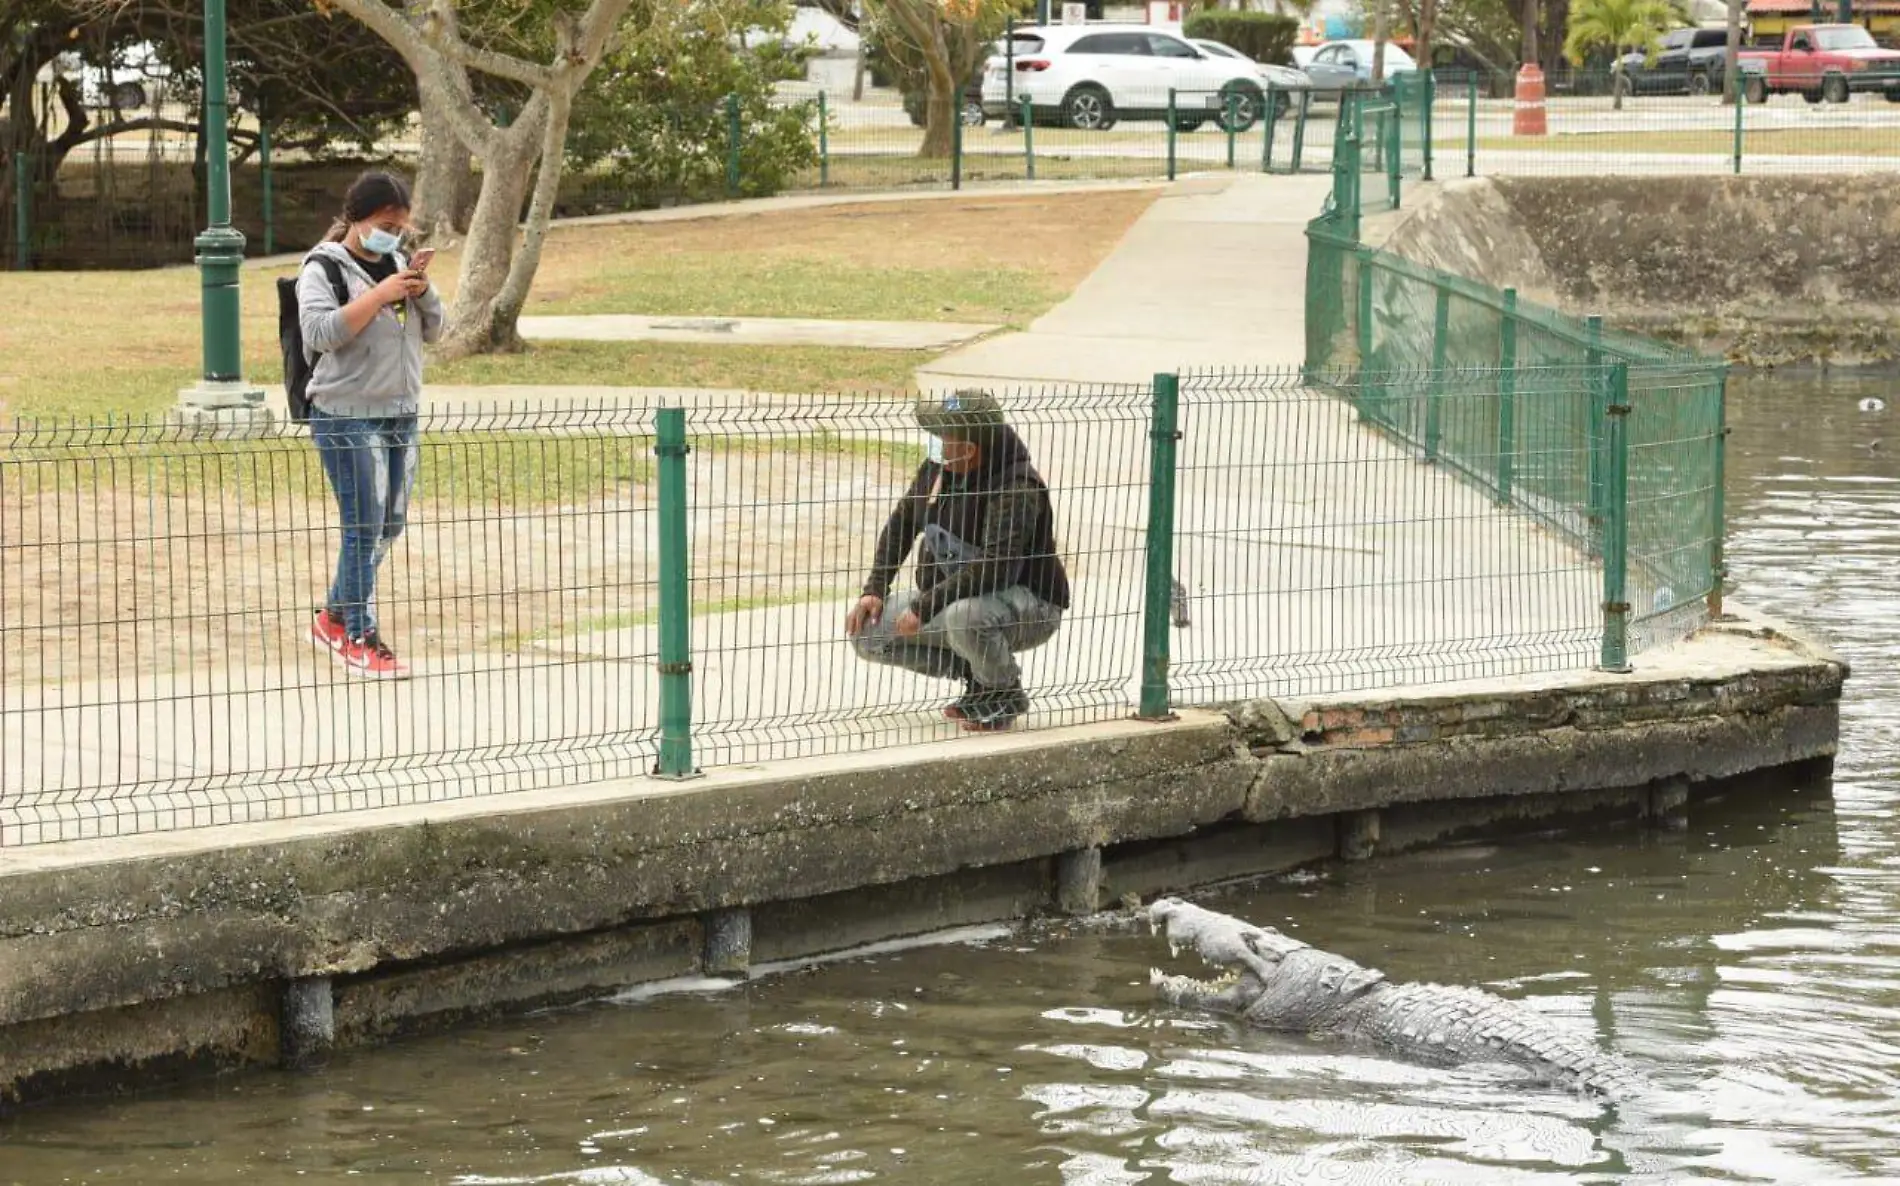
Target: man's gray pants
(978, 636)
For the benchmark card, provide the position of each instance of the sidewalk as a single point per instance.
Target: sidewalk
(1318, 557)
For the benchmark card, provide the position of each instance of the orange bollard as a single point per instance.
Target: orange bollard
(1529, 119)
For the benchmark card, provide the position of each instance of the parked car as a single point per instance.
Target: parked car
(1687, 62)
(1819, 62)
(1284, 80)
(1091, 76)
(1347, 65)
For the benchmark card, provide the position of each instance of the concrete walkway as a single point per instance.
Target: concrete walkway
(1212, 276)
(1318, 556)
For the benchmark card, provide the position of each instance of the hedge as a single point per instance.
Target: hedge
(1263, 36)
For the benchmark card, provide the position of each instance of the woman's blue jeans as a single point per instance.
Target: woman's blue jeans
(371, 464)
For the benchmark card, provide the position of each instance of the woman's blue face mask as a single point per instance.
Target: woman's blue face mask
(378, 241)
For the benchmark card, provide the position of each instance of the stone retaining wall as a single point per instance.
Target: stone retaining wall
(128, 961)
(1764, 270)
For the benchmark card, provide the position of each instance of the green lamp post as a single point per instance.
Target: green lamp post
(221, 400)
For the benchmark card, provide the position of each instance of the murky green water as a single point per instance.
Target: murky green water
(1750, 966)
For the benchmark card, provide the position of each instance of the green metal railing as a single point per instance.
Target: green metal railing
(1618, 447)
(594, 592)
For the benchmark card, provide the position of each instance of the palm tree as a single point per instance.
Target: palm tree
(1619, 26)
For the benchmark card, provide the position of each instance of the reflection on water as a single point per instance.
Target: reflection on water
(1748, 966)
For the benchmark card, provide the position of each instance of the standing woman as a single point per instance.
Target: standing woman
(365, 391)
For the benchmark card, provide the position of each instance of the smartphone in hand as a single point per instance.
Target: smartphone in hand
(419, 262)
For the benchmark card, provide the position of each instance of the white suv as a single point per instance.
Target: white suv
(1089, 76)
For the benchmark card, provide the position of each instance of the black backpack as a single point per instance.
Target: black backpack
(297, 363)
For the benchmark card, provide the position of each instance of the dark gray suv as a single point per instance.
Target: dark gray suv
(1688, 62)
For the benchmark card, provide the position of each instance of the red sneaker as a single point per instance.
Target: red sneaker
(327, 632)
(369, 658)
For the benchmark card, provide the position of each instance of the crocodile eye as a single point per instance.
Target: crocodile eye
(1252, 941)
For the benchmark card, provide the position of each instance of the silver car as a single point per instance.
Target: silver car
(1346, 65)
(1284, 80)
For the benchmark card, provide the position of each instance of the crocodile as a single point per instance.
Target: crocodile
(1276, 982)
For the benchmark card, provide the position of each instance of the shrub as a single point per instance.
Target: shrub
(1263, 36)
(653, 127)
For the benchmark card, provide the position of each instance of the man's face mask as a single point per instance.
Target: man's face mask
(933, 448)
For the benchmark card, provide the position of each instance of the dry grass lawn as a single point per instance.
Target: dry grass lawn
(98, 344)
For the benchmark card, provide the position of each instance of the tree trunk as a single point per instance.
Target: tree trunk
(1732, 56)
(445, 177)
(1381, 29)
(488, 254)
(1530, 31)
(1616, 83)
(940, 113)
(506, 314)
(446, 185)
(1427, 19)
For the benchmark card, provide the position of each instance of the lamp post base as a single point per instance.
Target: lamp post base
(224, 409)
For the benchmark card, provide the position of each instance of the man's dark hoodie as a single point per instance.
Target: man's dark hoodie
(1001, 513)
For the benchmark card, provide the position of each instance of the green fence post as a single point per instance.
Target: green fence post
(270, 196)
(1363, 332)
(1718, 509)
(1740, 103)
(1157, 614)
(824, 142)
(1299, 132)
(1393, 156)
(1346, 167)
(1170, 133)
(1599, 392)
(22, 211)
(734, 130)
(956, 144)
(1616, 608)
(1435, 392)
(1507, 398)
(1271, 126)
(1029, 138)
(1471, 126)
(1427, 126)
(1233, 115)
(676, 612)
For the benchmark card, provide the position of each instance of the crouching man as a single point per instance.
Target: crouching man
(990, 583)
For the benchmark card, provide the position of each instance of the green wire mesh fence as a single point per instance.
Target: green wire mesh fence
(587, 593)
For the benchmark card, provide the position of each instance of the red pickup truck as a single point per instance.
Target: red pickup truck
(1820, 62)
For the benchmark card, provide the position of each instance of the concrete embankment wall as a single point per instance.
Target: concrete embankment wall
(1765, 270)
(127, 961)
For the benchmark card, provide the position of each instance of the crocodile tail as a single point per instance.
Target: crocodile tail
(1453, 1025)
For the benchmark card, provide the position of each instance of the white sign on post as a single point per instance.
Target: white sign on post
(1075, 14)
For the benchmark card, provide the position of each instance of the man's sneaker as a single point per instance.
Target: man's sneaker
(369, 658)
(959, 709)
(992, 710)
(327, 632)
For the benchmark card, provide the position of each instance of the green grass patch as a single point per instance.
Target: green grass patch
(792, 369)
(503, 470)
(764, 286)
